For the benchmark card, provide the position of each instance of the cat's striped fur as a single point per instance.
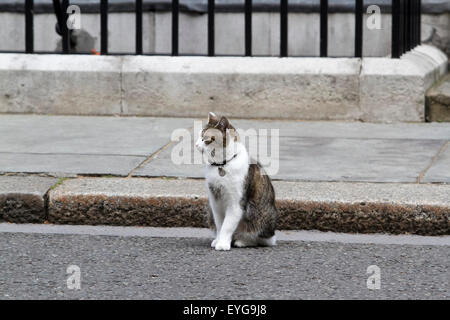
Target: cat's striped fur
(241, 195)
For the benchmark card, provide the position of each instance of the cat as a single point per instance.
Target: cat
(240, 193)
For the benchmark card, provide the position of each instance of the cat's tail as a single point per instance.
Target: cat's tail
(267, 242)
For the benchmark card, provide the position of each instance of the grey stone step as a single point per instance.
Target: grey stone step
(438, 101)
(368, 89)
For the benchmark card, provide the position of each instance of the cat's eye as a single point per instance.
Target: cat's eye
(210, 140)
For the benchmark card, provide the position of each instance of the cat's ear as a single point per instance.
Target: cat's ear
(223, 124)
(212, 118)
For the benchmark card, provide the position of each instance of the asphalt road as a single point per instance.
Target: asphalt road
(34, 266)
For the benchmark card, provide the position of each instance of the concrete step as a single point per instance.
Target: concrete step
(422, 209)
(368, 89)
(438, 101)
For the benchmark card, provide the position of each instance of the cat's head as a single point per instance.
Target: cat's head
(216, 136)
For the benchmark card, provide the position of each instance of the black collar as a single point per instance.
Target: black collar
(223, 163)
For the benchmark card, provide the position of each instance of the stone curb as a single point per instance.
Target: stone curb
(23, 199)
(371, 89)
(422, 209)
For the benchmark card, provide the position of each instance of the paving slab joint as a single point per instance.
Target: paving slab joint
(433, 161)
(47, 195)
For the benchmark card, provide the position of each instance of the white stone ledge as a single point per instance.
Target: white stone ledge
(394, 89)
(60, 84)
(240, 65)
(371, 89)
(59, 62)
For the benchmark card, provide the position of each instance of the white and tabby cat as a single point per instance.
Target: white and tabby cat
(241, 195)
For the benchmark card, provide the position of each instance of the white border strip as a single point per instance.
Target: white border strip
(309, 236)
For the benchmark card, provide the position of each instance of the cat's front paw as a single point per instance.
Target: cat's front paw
(213, 243)
(225, 246)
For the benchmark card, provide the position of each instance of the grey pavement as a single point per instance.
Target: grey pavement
(33, 265)
(309, 151)
(68, 164)
(81, 145)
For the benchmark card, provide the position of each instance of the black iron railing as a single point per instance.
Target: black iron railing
(139, 26)
(283, 28)
(211, 9)
(29, 24)
(406, 21)
(61, 26)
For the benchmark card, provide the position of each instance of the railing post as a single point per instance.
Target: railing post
(323, 28)
(283, 28)
(104, 26)
(419, 22)
(211, 38)
(29, 27)
(403, 26)
(395, 37)
(408, 24)
(61, 17)
(416, 22)
(413, 23)
(138, 26)
(175, 14)
(248, 28)
(64, 30)
(358, 28)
